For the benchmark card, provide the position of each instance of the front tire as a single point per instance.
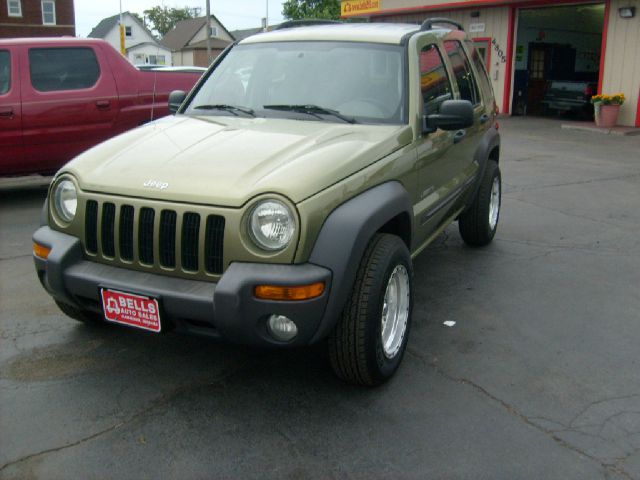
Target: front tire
(369, 341)
(479, 223)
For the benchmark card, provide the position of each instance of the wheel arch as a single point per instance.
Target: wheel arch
(488, 149)
(343, 239)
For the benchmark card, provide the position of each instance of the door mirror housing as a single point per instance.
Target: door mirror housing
(175, 100)
(454, 115)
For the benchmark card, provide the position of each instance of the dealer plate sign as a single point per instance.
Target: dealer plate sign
(131, 309)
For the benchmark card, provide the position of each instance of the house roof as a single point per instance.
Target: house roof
(247, 32)
(216, 44)
(185, 30)
(154, 44)
(107, 24)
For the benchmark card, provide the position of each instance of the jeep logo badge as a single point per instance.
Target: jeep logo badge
(155, 184)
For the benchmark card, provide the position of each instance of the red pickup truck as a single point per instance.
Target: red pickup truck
(60, 96)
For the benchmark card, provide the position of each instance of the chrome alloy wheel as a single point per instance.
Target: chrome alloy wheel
(395, 311)
(494, 203)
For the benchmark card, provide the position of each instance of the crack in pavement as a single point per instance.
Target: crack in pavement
(161, 401)
(4, 259)
(611, 467)
(579, 182)
(575, 215)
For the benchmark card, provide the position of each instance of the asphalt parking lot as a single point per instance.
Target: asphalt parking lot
(538, 378)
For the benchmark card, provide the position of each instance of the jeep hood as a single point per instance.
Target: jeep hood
(226, 161)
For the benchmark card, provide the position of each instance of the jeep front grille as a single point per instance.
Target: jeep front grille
(151, 236)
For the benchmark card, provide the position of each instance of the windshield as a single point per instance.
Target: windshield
(316, 81)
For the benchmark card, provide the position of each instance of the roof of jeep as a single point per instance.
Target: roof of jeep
(392, 33)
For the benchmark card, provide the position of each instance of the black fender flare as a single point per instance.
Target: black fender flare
(344, 237)
(490, 140)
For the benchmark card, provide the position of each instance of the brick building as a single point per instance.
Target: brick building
(37, 18)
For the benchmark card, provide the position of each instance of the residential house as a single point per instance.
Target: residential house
(140, 45)
(188, 41)
(37, 18)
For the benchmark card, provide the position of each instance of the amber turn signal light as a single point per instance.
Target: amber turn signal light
(289, 293)
(41, 251)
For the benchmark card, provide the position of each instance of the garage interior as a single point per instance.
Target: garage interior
(557, 51)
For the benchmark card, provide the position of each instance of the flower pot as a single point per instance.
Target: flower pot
(607, 115)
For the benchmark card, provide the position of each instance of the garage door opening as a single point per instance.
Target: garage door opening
(557, 60)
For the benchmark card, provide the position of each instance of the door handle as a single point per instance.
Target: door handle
(6, 112)
(103, 104)
(484, 118)
(459, 135)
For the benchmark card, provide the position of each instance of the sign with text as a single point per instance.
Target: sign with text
(359, 7)
(130, 309)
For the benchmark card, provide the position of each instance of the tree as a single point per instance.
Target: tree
(163, 19)
(301, 9)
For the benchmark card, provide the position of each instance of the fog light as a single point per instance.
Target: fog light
(281, 328)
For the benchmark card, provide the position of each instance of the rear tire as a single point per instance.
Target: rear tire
(77, 314)
(479, 223)
(368, 343)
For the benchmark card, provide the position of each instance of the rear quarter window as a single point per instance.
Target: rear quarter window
(55, 69)
(481, 70)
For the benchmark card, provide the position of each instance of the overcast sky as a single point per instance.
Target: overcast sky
(234, 14)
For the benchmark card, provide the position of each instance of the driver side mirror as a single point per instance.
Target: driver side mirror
(175, 100)
(454, 115)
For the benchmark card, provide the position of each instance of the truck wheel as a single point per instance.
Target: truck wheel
(77, 314)
(479, 223)
(369, 340)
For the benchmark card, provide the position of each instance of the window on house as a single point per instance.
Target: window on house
(15, 8)
(213, 31)
(48, 12)
(434, 81)
(127, 31)
(5, 72)
(54, 69)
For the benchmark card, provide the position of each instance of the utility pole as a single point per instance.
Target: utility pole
(266, 23)
(123, 50)
(208, 33)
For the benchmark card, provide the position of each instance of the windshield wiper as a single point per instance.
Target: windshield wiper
(311, 110)
(228, 108)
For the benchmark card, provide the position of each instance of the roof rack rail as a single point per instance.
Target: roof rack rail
(305, 23)
(429, 22)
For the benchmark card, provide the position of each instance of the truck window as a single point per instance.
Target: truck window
(478, 62)
(462, 71)
(54, 69)
(5, 72)
(434, 82)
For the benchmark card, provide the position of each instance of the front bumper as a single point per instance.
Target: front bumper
(227, 309)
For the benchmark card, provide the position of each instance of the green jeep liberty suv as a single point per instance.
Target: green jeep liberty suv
(283, 203)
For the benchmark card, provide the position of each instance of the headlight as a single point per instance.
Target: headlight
(271, 225)
(65, 200)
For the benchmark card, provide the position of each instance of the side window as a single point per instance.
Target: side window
(462, 71)
(54, 69)
(478, 62)
(434, 82)
(5, 72)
